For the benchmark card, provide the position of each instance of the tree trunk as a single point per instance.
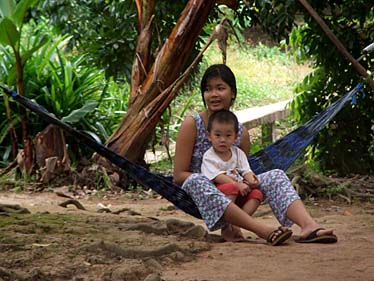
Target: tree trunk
(359, 68)
(12, 130)
(150, 99)
(27, 142)
(142, 52)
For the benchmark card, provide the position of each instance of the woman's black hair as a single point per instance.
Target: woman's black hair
(223, 116)
(218, 71)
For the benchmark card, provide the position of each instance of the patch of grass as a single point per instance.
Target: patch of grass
(164, 166)
(36, 220)
(264, 74)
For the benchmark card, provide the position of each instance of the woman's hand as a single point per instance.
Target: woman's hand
(251, 180)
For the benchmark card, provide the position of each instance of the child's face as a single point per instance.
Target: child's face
(222, 136)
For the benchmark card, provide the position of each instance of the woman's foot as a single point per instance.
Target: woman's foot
(317, 235)
(232, 233)
(279, 236)
(320, 232)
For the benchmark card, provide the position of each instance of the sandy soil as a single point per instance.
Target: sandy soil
(143, 241)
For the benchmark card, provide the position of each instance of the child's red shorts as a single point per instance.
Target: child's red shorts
(232, 189)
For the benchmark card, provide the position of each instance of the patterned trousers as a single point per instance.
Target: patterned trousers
(275, 185)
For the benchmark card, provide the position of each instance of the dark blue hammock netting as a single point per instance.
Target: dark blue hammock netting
(278, 155)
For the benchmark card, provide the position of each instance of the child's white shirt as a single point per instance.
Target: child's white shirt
(236, 167)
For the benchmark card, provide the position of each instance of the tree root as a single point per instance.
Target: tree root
(157, 227)
(9, 208)
(309, 182)
(117, 251)
(72, 202)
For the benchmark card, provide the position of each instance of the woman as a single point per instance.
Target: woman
(218, 88)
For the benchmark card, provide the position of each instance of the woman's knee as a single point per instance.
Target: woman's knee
(279, 173)
(273, 175)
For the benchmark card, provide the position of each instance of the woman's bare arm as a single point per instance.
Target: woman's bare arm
(183, 149)
(245, 143)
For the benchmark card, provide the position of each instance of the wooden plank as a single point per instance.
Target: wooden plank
(260, 115)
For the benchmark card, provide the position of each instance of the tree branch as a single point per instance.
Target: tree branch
(359, 68)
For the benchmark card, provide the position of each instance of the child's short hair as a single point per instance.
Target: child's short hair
(223, 116)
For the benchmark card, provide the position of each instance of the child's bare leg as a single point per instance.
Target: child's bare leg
(232, 233)
(251, 206)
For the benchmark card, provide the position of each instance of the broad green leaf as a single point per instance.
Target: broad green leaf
(9, 34)
(34, 48)
(6, 155)
(7, 7)
(20, 11)
(78, 114)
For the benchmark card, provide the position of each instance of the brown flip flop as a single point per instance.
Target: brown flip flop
(280, 236)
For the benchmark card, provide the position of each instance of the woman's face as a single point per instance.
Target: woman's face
(218, 95)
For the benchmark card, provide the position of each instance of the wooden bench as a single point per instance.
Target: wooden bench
(264, 115)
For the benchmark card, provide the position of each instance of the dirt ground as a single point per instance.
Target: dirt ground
(133, 238)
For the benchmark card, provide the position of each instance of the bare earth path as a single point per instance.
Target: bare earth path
(144, 242)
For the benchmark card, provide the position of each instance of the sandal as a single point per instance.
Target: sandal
(278, 236)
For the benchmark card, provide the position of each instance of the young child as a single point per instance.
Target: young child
(227, 165)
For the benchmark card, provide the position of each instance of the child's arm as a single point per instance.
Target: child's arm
(223, 178)
(242, 186)
(243, 167)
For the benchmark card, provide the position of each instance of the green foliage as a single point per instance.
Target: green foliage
(113, 106)
(345, 145)
(107, 30)
(276, 17)
(65, 86)
(77, 114)
(334, 190)
(238, 20)
(74, 92)
(9, 34)
(11, 24)
(15, 55)
(104, 30)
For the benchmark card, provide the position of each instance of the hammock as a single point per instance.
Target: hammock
(282, 153)
(279, 155)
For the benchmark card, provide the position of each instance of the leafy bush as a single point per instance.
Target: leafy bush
(66, 87)
(107, 31)
(346, 144)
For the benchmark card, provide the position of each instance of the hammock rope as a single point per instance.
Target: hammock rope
(279, 155)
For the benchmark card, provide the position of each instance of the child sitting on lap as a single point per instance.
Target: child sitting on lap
(227, 165)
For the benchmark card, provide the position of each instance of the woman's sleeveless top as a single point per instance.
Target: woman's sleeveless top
(202, 143)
